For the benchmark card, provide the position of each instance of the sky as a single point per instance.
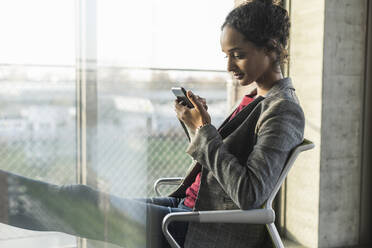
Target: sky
(146, 33)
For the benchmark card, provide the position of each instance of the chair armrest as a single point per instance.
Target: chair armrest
(166, 181)
(254, 216)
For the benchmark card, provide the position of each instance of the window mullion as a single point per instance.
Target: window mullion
(86, 93)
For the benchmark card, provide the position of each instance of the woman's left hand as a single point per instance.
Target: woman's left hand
(193, 117)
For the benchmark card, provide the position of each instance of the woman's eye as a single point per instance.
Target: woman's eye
(239, 56)
(234, 56)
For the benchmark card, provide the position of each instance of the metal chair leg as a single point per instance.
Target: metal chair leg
(275, 237)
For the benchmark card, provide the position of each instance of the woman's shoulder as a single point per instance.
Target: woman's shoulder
(282, 103)
(281, 95)
(282, 113)
(285, 98)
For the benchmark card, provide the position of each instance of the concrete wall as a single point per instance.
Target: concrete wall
(330, 83)
(366, 216)
(342, 111)
(305, 68)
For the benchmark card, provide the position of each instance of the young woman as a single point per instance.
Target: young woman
(235, 166)
(238, 164)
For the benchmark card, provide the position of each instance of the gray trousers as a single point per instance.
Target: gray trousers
(83, 211)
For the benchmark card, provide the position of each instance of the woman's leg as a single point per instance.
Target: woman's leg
(158, 207)
(82, 211)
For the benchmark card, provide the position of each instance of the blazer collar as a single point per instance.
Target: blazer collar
(227, 126)
(230, 125)
(280, 85)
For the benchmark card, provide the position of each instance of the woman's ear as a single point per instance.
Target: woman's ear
(271, 46)
(271, 49)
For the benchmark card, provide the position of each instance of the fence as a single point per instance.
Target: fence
(139, 138)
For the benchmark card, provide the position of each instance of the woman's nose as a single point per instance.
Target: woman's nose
(230, 64)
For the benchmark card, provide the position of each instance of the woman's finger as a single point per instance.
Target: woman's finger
(180, 109)
(178, 104)
(197, 104)
(203, 101)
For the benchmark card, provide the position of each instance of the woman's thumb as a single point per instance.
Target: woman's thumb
(193, 100)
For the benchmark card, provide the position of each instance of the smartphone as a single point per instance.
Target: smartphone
(180, 93)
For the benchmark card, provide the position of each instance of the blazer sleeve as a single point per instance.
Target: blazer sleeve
(279, 129)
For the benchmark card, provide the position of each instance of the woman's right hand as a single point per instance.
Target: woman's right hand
(203, 101)
(193, 117)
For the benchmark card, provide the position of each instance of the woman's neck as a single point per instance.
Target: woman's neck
(265, 83)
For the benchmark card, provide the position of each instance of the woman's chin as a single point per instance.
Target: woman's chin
(245, 82)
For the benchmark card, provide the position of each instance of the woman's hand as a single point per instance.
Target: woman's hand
(193, 117)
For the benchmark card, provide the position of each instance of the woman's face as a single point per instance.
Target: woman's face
(245, 61)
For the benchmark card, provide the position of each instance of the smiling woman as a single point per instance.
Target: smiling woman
(254, 40)
(246, 61)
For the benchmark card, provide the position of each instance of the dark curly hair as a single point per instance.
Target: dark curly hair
(265, 24)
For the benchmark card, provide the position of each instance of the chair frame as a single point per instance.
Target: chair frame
(266, 215)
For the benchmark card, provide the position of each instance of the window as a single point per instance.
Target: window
(143, 49)
(119, 59)
(37, 90)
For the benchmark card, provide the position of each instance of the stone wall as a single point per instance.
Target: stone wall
(305, 68)
(342, 122)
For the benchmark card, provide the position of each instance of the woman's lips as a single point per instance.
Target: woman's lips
(238, 76)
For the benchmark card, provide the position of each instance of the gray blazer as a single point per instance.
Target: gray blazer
(240, 164)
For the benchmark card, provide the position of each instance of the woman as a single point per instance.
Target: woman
(239, 163)
(236, 166)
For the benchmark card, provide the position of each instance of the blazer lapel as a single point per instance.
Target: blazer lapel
(228, 127)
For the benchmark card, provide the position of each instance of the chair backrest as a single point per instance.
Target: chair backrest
(304, 146)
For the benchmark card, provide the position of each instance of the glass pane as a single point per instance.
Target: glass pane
(161, 33)
(37, 111)
(139, 137)
(144, 48)
(37, 101)
(37, 32)
(37, 136)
